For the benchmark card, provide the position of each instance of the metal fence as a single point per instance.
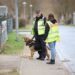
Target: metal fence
(9, 24)
(3, 25)
(3, 33)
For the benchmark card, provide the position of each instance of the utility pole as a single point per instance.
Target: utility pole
(31, 14)
(16, 14)
(24, 5)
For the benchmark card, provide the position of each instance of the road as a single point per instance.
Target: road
(66, 47)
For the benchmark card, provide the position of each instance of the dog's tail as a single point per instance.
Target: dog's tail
(47, 47)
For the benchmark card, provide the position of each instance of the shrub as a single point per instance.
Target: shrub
(22, 22)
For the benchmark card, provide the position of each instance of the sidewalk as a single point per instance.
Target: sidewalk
(37, 67)
(25, 66)
(9, 65)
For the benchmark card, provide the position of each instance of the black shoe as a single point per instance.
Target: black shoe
(38, 58)
(51, 62)
(42, 59)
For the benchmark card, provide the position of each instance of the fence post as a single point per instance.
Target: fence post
(0, 35)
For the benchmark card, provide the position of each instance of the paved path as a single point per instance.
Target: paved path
(37, 67)
(25, 66)
(9, 64)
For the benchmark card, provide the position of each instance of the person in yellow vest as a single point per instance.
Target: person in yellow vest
(53, 37)
(38, 31)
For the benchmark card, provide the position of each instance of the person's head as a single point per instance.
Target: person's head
(38, 13)
(51, 18)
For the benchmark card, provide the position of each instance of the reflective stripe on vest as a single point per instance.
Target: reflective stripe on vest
(53, 33)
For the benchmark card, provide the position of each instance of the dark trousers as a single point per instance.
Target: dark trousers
(42, 52)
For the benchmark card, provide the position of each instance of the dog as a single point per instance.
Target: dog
(31, 43)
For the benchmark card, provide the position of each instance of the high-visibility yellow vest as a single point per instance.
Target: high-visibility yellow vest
(41, 27)
(53, 34)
